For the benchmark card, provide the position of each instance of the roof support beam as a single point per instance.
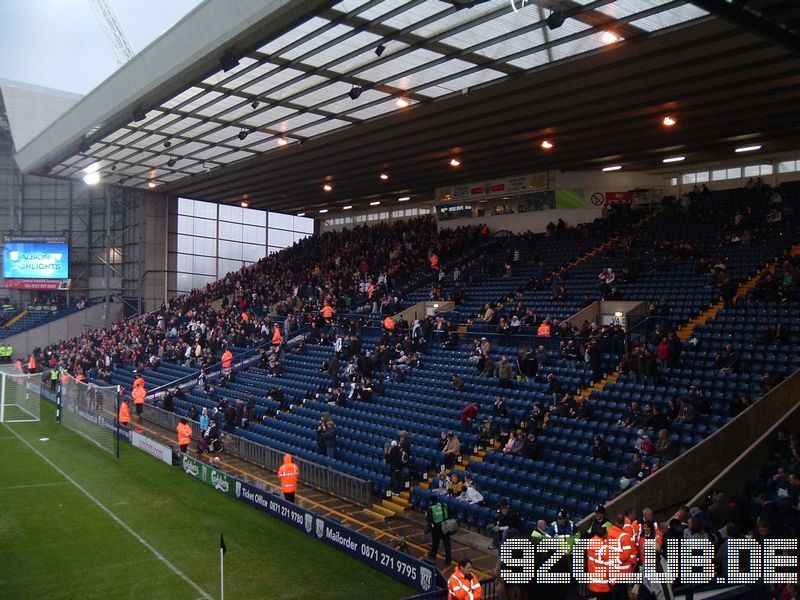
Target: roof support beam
(749, 19)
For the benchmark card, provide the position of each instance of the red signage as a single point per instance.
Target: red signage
(619, 197)
(37, 284)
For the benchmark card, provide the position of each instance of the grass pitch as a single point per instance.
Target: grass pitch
(157, 538)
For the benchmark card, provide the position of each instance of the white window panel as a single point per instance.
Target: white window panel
(766, 170)
(221, 75)
(254, 235)
(734, 173)
(787, 166)
(625, 8)
(207, 210)
(221, 135)
(668, 18)
(575, 47)
(185, 206)
(446, 69)
(234, 156)
(280, 238)
(221, 103)
(255, 217)
(301, 31)
(321, 127)
(303, 224)
(300, 236)
(719, 175)
(462, 17)
(205, 246)
(319, 39)
(570, 27)
(688, 178)
(147, 141)
(252, 252)
(280, 221)
(418, 13)
(363, 43)
(297, 121)
(229, 249)
(467, 81)
(366, 57)
(179, 124)
(184, 148)
(296, 87)
(751, 171)
(346, 103)
(226, 265)
(374, 111)
(702, 177)
(499, 26)
(275, 76)
(276, 113)
(211, 152)
(230, 231)
(201, 281)
(520, 43)
(232, 214)
(183, 97)
(406, 62)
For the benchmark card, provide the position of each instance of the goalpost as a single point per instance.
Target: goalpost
(20, 396)
(90, 411)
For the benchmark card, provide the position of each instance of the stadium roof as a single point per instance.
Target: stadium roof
(287, 96)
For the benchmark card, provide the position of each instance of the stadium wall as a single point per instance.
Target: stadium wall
(94, 316)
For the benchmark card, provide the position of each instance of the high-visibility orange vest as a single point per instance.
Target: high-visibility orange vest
(327, 311)
(371, 290)
(138, 395)
(184, 434)
(277, 338)
(434, 261)
(544, 330)
(227, 359)
(288, 474)
(245, 318)
(597, 565)
(139, 381)
(31, 364)
(622, 552)
(388, 322)
(124, 413)
(460, 587)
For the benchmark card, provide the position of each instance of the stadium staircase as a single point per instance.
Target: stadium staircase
(20, 315)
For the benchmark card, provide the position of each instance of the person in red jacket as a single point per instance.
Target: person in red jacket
(468, 416)
(463, 583)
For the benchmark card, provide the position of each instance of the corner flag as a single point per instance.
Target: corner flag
(222, 545)
(222, 550)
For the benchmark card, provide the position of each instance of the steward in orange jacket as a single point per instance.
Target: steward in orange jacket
(327, 312)
(288, 474)
(623, 553)
(463, 583)
(124, 413)
(184, 431)
(138, 395)
(544, 329)
(597, 565)
(277, 337)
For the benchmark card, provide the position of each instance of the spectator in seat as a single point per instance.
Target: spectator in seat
(458, 383)
(687, 413)
(469, 415)
(542, 356)
(529, 364)
(442, 484)
(470, 494)
(499, 409)
(633, 417)
(530, 448)
(456, 485)
(515, 443)
(451, 450)
(506, 524)
(600, 450)
(665, 447)
(644, 445)
(581, 410)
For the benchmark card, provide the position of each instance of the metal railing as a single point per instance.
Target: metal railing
(328, 480)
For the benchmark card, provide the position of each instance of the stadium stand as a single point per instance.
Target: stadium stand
(687, 262)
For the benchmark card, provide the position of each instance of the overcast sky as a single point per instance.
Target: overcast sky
(60, 43)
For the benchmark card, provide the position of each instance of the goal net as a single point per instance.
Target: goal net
(90, 411)
(20, 395)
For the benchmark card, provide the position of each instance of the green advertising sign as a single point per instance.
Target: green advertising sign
(208, 475)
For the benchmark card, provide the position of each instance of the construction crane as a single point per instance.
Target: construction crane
(114, 34)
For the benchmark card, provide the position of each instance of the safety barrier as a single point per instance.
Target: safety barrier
(333, 482)
(489, 587)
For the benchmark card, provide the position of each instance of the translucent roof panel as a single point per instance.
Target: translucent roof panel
(381, 9)
(668, 18)
(419, 13)
(317, 41)
(520, 43)
(447, 69)
(306, 29)
(625, 8)
(405, 62)
(573, 47)
(183, 97)
(458, 84)
(374, 111)
(366, 57)
(220, 76)
(499, 26)
(274, 113)
(361, 43)
(295, 87)
(459, 18)
(321, 127)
